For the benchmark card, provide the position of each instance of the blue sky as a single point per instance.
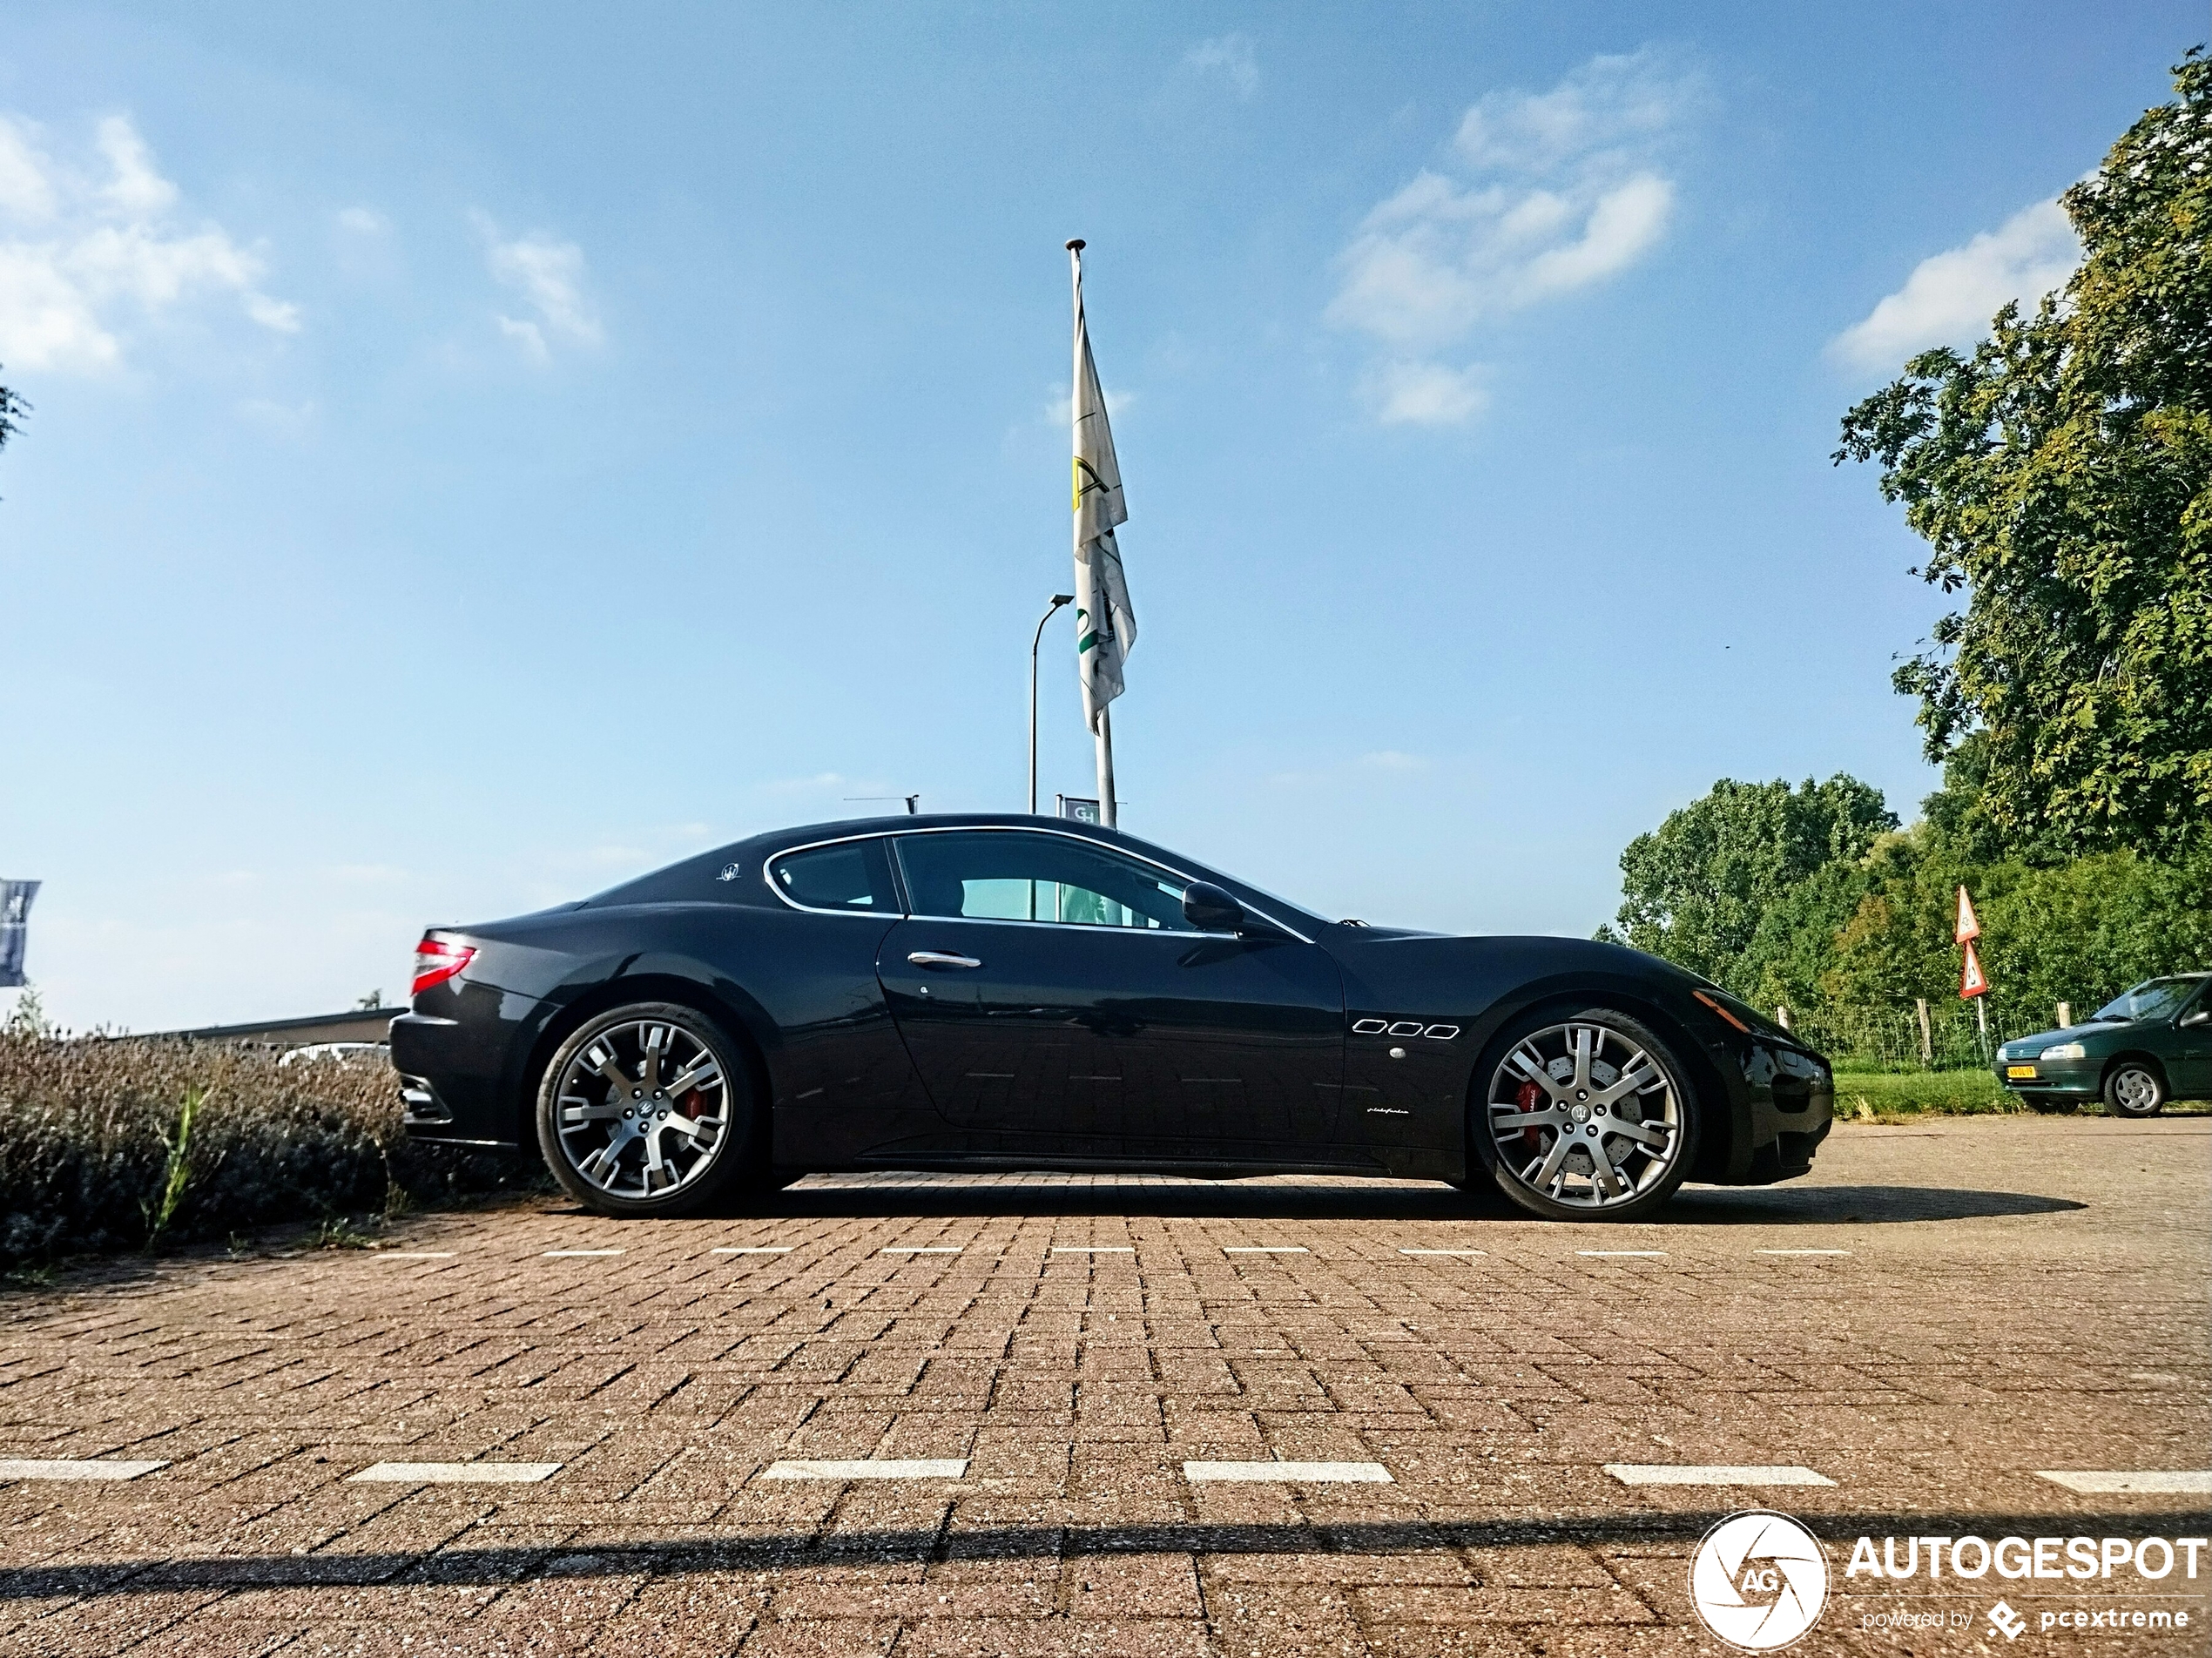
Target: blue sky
(478, 457)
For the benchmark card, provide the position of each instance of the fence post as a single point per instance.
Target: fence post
(2065, 1014)
(1927, 1041)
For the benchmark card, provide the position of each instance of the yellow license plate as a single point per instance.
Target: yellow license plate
(2020, 1070)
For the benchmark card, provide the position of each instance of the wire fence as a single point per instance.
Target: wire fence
(1930, 1036)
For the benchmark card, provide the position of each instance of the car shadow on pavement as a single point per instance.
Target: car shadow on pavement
(1282, 1200)
(579, 1558)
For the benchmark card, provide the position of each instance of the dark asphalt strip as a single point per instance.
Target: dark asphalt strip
(798, 1551)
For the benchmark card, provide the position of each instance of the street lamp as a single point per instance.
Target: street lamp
(1058, 599)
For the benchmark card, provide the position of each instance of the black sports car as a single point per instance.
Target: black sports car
(993, 992)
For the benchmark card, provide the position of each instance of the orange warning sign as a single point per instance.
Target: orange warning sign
(1968, 926)
(1973, 982)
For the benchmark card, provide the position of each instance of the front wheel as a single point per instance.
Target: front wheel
(1589, 1117)
(2134, 1089)
(647, 1110)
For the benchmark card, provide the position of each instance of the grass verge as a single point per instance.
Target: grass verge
(1885, 1096)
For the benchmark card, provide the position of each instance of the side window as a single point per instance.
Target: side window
(1009, 875)
(853, 875)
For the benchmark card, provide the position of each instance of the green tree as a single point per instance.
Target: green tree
(2063, 477)
(12, 409)
(1698, 889)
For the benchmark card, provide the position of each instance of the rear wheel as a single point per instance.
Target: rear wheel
(1588, 1117)
(645, 1110)
(2134, 1089)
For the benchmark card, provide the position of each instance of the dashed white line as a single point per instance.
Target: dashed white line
(1443, 1251)
(1639, 1254)
(1317, 1473)
(2190, 1482)
(415, 1255)
(1801, 1251)
(1264, 1248)
(902, 1249)
(566, 1255)
(1093, 1249)
(74, 1468)
(871, 1468)
(1676, 1473)
(752, 1249)
(455, 1474)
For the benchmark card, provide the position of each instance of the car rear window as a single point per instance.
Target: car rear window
(853, 875)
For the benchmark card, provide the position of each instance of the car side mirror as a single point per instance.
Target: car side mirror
(2202, 1016)
(1210, 909)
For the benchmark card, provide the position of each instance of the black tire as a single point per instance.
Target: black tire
(579, 1154)
(2050, 1105)
(1616, 1128)
(2134, 1088)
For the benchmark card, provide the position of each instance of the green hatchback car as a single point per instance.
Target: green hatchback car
(2150, 1045)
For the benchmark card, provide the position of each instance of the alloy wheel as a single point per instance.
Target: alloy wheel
(643, 1108)
(2135, 1091)
(1585, 1115)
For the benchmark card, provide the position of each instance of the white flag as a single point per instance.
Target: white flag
(1105, 625)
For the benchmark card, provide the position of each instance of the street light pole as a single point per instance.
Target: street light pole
(1058, 599)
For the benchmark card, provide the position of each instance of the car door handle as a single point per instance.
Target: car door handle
(940, 959)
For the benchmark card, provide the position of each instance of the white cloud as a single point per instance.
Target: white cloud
(1542, 194)
(363, 222)
(1229, 56)
(550, 276)
(78, 246)
(1951, 297)
(1391, 759)
(1426, 394)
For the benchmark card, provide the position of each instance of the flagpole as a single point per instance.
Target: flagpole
(1105, 726)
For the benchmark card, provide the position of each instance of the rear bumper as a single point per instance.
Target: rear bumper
(452, 1082)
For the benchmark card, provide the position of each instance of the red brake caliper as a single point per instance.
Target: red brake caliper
(1529, 1099)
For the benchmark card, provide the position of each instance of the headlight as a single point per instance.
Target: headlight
(2064, 1050)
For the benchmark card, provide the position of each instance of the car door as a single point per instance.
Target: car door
(1057, 1003)
(2189, 1071)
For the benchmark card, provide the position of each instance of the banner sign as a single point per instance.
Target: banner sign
(14, 921)
(1075, 807)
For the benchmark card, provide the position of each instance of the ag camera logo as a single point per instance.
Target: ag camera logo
(1759, 1580)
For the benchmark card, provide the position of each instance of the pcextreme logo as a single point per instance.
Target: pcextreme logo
(1759, 1580)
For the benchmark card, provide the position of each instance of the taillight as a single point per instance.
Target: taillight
(435, 961)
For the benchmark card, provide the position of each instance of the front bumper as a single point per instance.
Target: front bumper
(2084, 1077)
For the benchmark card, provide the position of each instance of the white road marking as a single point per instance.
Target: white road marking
(1318, 1473)
(871, 1468)
(1443, 1251)
(1093, 1249)
(74, 1468)
(2190, 1482)
(415, 1255)
(1264, 1248)
(902, 1249)
(455, 1474)
(1801, 1251)
(564, 1255)
(1676, 1473)
(1646, 1254)
(752, 1249)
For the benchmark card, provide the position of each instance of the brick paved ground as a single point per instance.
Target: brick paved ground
(2019, 1295)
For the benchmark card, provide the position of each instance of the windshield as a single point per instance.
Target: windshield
(2153, 999)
